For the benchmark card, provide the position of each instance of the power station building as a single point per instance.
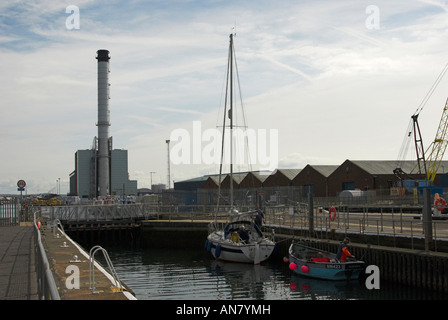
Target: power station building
(83, 180)
(102, 171)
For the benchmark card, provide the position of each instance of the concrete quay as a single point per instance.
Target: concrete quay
(18, 280)
(69, 261)
(19, 269)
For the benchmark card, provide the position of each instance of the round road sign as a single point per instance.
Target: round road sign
(21, 183)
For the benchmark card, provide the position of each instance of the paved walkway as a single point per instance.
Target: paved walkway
(18, 280)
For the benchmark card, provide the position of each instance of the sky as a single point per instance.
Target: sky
(331, 80)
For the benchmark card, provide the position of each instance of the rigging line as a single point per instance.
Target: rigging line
(245, 124)
(223, 86)
(405, 145)
(431, 90)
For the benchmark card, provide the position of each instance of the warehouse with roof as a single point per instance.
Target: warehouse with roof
(373, 175)
(323, 180)
(314, 177)
(281, 178)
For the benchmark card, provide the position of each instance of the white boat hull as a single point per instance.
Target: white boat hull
(239, 252)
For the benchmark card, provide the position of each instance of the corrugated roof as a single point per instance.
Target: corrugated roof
(388, 166)
(325, 170)
(261, 175)
(215, 178)
(198, 179)
(237, 177)
(383, 166)
(289, 173)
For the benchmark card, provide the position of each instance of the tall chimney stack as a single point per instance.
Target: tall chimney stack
(103, 123)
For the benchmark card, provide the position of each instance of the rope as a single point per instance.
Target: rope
(431, 90)
(405, 144)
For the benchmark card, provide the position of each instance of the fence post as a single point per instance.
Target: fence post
(427, 219)
(310, 214)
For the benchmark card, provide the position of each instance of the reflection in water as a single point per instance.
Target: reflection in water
(155, 274)
(318, 289)
(245, 281)
(158, 274)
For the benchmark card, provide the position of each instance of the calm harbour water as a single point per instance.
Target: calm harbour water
(161, 274)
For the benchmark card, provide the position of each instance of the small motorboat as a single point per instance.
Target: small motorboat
(315, 263)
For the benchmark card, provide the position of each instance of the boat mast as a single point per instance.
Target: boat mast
(231, 120)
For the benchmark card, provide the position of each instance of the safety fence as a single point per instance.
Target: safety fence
(398, 227)
(46, 286)
(9, 212)
(14, 211)
(398, 222)
(137, 211)
(284, 195)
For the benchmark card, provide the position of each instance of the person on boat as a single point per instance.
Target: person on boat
(242, 233)
(259, 218)
(343, 252)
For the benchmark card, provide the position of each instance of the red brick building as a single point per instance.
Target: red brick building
(365, 175)
(281, 178)
(315, 177)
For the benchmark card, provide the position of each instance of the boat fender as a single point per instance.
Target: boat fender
(292, 266)
(38, 224)
(218, 251)
(332, 213)
(304, 269)
(208, 245)
(235, 237)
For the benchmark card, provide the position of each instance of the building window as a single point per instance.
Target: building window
(309, 188)
(348, 185)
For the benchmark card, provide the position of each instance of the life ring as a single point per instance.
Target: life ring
(440, 203)
(332, 213)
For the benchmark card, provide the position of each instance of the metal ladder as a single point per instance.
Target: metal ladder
(54, 227)
(95, 249)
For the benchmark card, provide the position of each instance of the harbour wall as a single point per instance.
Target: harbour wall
(397, 263)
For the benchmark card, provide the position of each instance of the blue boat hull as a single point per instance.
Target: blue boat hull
(329, 270)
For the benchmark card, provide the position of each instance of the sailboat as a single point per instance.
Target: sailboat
(241, 238)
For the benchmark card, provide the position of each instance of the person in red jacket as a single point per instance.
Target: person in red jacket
(343, 252)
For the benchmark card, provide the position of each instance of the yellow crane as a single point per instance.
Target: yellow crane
(437, 148)
(429, 160)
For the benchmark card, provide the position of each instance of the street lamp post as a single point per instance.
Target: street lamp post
(168, 175)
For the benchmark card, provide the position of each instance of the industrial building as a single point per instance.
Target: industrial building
(83, 179)
(314, 177)
(322, 180)
(102, 171)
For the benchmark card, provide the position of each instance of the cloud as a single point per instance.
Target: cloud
(287, 67)
(182, 111)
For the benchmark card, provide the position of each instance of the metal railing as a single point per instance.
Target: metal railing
(46, 286)
(128, 211)
(10, 212)
(377, 224)
(378, 219)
